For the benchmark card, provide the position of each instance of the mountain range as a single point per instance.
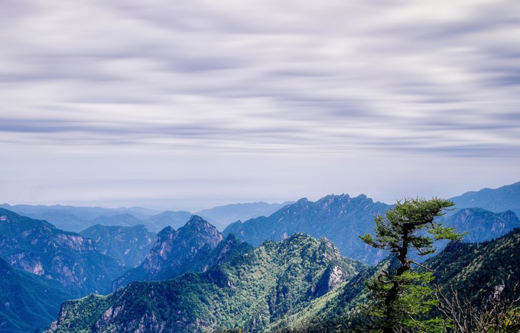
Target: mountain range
(249, 291)
(495, 200)
(298, 284)
(277, 272)
(342, 219)
(72, 218)
(222, 216)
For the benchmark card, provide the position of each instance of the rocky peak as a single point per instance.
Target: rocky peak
(201, 231)
(197, 222)
(175, 252)
(166, 233)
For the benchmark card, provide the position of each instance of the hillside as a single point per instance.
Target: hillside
(127, 245)
(40, 248)
(477, 268)
(27, 301)
(249, 291)
(474, 269)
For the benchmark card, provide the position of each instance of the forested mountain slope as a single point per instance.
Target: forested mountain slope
(27, 301)
(250, 291)
(38, 247)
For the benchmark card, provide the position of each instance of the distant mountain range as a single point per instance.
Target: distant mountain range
(340, 218)
(495, 200)
(482, 225)
(72, 218)
(222, 216)
(76, 219)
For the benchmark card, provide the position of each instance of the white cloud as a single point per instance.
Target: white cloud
(436, 78)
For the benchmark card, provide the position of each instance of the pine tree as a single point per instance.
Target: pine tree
(401, 296)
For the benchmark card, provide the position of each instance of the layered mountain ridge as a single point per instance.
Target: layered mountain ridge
(249, 291)
(277, 287)
(340, 218)
(40, 248)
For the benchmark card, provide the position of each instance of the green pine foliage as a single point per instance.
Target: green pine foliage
(401, 298)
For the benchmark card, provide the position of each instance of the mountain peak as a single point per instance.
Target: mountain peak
(166, 231)
(196, 220)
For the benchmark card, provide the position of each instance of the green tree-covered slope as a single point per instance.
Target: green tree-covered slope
(27, 301)
(472, 269)
(249, 291)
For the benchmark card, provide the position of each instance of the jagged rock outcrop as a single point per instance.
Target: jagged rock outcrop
(175, 252)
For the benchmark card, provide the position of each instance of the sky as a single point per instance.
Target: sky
(192, 104)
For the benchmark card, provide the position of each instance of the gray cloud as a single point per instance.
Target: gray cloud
(432, 78)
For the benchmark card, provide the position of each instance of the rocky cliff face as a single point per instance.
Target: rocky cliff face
(175, 251)
(249, 291)
(340, 218)
(38, 247)
(127, 245)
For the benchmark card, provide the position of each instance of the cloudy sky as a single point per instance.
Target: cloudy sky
(189, 104)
